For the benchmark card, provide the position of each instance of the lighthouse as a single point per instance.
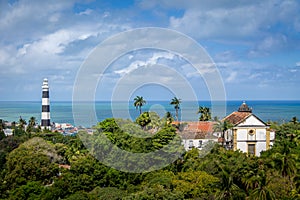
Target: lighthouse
(45, 122)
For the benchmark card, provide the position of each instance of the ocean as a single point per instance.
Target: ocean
(61, 111)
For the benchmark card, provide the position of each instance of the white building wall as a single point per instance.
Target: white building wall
(190, 143)
(242, 146)
(241, 134)
(272, 135)
(252, 121)
(260, 146)
(261, 134)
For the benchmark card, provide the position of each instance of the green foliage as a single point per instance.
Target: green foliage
(139, 102)
(33, 160)
(205, 114)
(154, 193)
(30, 191)
(29, 168)
(176, 102)
(111, 193)
(143, 120)
(2, 134)
(128, 136)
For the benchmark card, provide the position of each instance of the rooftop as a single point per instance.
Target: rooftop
(237, 117)
(244, 108)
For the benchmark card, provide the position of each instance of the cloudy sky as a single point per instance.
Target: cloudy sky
(255, 46)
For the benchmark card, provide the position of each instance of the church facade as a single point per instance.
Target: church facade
(249, 133)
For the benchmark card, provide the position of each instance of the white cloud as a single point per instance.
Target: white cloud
(231, 77)
(149, 62)
(298, 64)
(86, 12)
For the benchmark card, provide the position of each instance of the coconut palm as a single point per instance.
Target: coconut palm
(228, 189)
(22, 123)
(294, 120)
(262, 191)
(32, 121)
(31, 124)
(285, 161)
(139, 102)
(222, 126)
(176, 102)
(169, 118)
(205, 113)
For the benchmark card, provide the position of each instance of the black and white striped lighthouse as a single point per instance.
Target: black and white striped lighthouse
(45, 122)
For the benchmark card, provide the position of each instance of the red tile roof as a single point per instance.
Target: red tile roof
(237, 117)
(201, 126)
(197, 130)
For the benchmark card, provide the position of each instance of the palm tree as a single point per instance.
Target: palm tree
(205, 113)
(31, 124)
(222, 126)
(262, 191)
(228, 189)
(139, 102)
(22, 123)
(285, 160)
(169, 118)
(32, 121)
(176, 102)
(294, 120)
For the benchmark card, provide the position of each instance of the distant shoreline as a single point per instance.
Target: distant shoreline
(61, 111)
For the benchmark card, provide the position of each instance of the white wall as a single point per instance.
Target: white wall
(252, 121)
(242, 134)
(260, 146)
(189, 143)
(272, 135)
(242, 146)
(261, 134)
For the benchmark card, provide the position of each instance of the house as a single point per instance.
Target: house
(8, 131)
(249, 133)
(197, 134)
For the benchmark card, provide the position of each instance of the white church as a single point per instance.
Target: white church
(249, 133)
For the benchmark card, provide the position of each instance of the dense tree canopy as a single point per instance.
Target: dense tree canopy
(52, 166)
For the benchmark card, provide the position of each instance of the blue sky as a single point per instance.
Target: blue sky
(254, 44)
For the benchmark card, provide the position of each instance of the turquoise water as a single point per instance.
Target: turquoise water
(61, 112)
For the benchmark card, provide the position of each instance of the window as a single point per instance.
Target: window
(191, 144)
(251, 132)
(251, 149)
(251, 135)
(200, 144)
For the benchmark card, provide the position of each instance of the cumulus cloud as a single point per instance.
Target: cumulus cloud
(149, 62)
(231, 77)
(42, 38)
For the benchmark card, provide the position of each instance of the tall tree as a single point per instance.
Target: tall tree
(169, 118)
(205, 113)
(222, 126)
(2, 125)
(22, 123)
(176, 102)
(139, 102)
(31, 124)
(294, 120)
(262, 191)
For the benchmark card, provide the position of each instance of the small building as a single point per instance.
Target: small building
(8, 131)
(249, 133)
(197, 134)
